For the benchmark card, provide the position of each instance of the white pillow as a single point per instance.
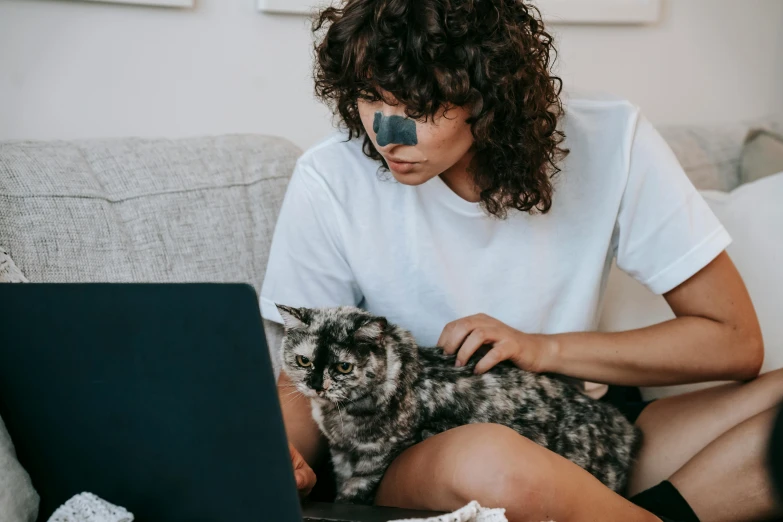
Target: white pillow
(753, 215)
(18, 499)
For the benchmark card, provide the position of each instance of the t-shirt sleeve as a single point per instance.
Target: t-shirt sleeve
(307, 265)
(666, 232)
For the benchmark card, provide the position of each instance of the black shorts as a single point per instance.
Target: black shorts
(627, 399)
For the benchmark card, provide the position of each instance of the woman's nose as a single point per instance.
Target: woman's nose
(394, 129)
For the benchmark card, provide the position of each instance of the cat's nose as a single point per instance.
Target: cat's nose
(320, 385)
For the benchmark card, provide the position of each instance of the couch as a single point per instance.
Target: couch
(193, 209)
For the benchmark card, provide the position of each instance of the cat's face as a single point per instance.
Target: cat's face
(336, 354)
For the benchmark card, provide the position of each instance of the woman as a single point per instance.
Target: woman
(467, 203)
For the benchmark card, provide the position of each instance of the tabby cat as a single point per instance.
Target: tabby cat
(374, 393)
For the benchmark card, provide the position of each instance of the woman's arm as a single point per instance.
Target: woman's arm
(305, 443)
(715, 336)
(301, 429)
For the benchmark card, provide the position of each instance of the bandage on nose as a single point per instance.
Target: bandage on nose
(394, 129)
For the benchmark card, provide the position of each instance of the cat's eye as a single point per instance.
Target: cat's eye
(303, 361)
(344, 367)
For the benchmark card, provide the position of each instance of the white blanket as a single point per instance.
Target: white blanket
(473, 512)
(86, 507)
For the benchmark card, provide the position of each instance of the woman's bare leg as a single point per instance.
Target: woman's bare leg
(499, 468)
(677, 428)
(728, 480)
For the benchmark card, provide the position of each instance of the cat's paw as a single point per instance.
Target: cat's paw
(352, 499)
(357, 491)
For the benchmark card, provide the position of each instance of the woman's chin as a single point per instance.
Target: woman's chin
(413, 178)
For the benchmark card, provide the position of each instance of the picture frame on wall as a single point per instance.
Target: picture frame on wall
(554, 11)
(158, 3)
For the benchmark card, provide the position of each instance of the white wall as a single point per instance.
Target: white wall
(706, 60)
(72, 69)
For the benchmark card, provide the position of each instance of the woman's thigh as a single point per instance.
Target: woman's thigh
(499, 468)
(677, 428)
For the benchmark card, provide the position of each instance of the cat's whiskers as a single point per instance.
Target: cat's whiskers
(292, 399)
(342, 424)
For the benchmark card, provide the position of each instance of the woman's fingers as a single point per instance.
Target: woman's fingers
(465, 336)
(303, 473)
(497, 354)
(477, 338)
(305, 480)
(455, 332)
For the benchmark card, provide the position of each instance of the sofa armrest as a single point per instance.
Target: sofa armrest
(274, 338)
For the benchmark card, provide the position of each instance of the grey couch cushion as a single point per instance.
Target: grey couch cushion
(709, 155)
(199, 209)
(762, 155)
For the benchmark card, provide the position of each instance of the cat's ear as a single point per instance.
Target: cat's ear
(372, 331)
(293, 318)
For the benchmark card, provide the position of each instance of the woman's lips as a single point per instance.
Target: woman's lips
(401, 167)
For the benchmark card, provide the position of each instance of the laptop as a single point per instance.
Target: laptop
(156, 397)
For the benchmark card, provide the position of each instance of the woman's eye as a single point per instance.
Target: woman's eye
(369, 97)
(344, 367)
(303, 361)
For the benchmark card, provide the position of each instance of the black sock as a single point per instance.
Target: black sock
(664, 500)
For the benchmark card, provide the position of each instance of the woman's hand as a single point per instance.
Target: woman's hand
(304, 474)
(465, 336)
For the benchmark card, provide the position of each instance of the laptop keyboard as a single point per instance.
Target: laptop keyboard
(310, 519)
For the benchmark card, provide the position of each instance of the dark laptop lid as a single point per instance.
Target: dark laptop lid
(158, 398)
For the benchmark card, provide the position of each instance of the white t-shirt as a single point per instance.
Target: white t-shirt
(422, 256)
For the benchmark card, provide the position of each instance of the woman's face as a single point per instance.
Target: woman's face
(442, 142)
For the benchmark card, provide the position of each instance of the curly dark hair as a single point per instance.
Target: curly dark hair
(493, 57)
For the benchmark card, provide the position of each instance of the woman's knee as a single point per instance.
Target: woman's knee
(498, 466)
(772, 375)
(489, 463)
(766, 390)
